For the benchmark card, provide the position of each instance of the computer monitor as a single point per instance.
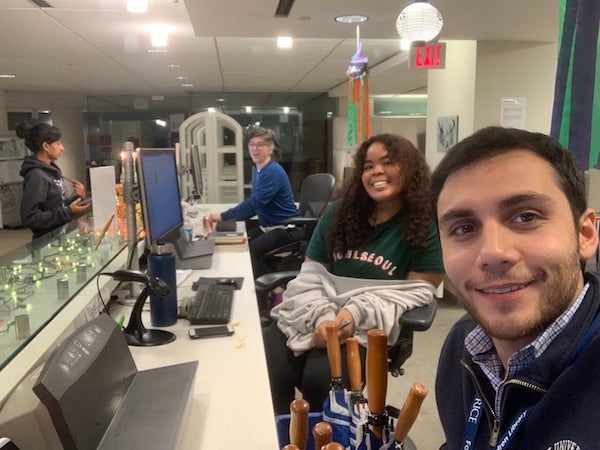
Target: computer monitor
(161, 208)
(196, 170)
(159, 189)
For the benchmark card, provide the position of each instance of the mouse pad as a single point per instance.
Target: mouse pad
(210, 280)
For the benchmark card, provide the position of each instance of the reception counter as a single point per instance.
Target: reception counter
(230, 405)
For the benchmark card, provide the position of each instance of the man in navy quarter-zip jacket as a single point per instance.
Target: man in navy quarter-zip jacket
(522, 369)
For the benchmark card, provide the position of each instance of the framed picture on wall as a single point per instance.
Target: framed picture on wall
(447, 133)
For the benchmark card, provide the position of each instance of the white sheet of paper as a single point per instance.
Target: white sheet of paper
(513, 112)
(104, 195)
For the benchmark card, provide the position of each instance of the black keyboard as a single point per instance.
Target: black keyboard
(211, 305)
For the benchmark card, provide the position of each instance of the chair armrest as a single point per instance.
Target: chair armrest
(269, 281)
(290, 247)
(419, 319)
(302, 221)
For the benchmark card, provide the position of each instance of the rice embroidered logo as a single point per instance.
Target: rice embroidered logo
(564, 445)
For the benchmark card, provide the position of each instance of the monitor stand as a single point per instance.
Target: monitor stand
(97, 398)
(194, 255)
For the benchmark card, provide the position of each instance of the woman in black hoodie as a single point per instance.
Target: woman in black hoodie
(45, 205)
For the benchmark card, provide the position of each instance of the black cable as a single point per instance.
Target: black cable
(104, 305)
(130, 250)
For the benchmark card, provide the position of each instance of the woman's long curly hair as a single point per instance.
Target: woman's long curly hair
(350, 223)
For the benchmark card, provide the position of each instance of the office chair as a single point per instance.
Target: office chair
(416, 319)
(314, 196)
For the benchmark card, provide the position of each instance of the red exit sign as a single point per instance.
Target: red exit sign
(429, 56)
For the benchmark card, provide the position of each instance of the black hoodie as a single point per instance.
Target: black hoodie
(43, 206)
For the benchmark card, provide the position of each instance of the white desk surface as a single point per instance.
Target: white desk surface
(231, 402)
(231, 405)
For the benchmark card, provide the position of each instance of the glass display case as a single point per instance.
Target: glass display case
(39, 279)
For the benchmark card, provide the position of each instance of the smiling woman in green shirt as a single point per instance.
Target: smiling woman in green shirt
(380, 229)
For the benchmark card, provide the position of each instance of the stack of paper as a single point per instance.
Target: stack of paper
(229, 240)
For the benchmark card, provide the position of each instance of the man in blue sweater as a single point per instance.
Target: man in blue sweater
(271, 200)
(521, 369)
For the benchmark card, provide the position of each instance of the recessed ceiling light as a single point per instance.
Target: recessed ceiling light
(220, 99)
(173, 66)
(156, 50)
(7, 75)
(181, 77)
(285, 41)
(351, 18)
(187, 85)
(159, 33)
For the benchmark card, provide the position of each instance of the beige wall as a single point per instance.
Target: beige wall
(522, 69)
(451, 91)
(478, 75)
(72, 161)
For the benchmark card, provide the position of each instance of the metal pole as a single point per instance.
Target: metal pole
(128, 186)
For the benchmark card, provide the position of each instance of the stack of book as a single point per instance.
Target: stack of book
(229, 240)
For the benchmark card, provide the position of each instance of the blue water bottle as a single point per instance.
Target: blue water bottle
(161, 264)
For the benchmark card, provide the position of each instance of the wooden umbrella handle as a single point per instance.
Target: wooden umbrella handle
(334, 353)
(299, 423)
(354, 368)
(376, 372)
(410, 410)
(321, 432)
(333, 446)
(290, 447)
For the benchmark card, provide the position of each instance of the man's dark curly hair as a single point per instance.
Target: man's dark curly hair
(350, 223)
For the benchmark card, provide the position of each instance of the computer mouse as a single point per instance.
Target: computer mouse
(227, 281)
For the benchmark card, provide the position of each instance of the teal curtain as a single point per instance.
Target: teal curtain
(576, 112)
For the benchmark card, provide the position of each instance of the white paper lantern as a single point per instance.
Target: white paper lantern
(419, 21)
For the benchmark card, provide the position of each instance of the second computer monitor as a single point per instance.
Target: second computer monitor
(196, 170)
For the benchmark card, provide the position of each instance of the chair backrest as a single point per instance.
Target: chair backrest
(316, 191)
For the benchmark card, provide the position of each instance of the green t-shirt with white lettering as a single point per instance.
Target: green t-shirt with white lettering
(387, 253)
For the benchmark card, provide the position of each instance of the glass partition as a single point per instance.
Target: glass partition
(40, 278)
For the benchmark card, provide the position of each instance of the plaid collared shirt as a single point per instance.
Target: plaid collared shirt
(479, 344)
